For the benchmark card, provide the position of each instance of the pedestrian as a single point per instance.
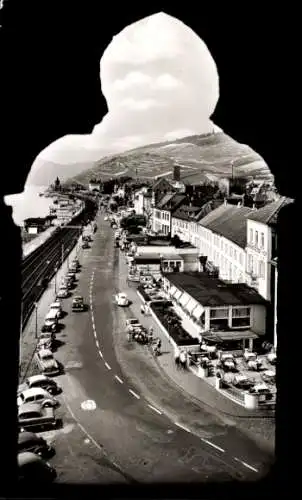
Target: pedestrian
(183, 359)
(176, 357)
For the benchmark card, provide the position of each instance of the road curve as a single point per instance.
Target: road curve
(140, 436)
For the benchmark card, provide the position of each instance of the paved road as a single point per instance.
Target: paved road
(128, 435)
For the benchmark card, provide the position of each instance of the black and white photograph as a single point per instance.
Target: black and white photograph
(140, 253)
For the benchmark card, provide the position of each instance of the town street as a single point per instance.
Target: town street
(129, 431)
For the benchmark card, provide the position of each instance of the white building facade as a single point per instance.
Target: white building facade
(258, 257)
(229, 257)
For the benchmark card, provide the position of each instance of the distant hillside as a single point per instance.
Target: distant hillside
(44, 172)
(200, 157)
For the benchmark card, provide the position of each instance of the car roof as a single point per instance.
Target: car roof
(33, 391)
(26, 436)
(55, 304)
(45, 352)
(76, 297)
(26, 457)
(37, 378)
(28, 407)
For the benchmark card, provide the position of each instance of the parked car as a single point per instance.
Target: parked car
(242, 382)
(227, 362)
(131, 322)
(34, 416)
(36, 395)
(71, 275)
(85, 245)
(66, 282)
(46, 362)
(29, 441)
(46, 340)
(74, 267)
(106, 217)
(50, 322)
(122, 300)
(133, 277)
(63, 292)
(33, 470)
(78, 303)
(49, 384)
(57, 306)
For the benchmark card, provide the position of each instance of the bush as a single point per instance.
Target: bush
(176, 331)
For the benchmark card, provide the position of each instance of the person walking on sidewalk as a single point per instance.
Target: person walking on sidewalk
(176, 357)
(183, 359)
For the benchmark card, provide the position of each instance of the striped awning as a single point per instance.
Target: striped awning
(191, 305)
(177, 294)
(172, 290)
(184, 299)
(198, 311)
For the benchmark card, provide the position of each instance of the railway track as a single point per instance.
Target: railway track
(41, 265)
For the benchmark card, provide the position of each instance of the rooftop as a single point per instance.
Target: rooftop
(269, 213)
(213, 292)
(228, 221)
(148, 257)
(186, 212)
(171, 202)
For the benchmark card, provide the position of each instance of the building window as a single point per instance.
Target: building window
(251, 236)
(219, 313)
(256, 238)
(262, 240)
(241, 317)
(219, 318)
(261, 269)
(235, 254)
(240, 259)
(231, 252)
(250, 263)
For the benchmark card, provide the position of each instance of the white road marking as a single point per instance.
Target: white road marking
(97, 344)
(118, 379)
(213, 445)
(100, 448)
(134, 394)
(155, 409)
(100, 353)
(182, 427)
(107, 366)
(246, 465)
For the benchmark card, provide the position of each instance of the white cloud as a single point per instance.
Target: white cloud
(166, 81)
(134, 78)
(139, 105)
(139, 79)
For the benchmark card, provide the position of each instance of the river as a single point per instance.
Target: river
(29, 203)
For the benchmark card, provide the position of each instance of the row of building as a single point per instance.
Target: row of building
(234, 243)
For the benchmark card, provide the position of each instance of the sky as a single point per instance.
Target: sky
(160, 83)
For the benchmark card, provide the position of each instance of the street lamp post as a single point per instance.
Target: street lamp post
(56, 270)
(36, 318)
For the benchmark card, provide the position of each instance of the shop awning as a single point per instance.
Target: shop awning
(191, 305)
(177, 294)
(184, 299)
(198, 311)
(172, 290)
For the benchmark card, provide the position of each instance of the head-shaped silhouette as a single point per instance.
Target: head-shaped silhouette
(160, 82)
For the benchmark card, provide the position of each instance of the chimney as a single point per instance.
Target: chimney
(176, 173)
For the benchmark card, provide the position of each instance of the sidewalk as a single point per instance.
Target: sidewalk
(260, 422)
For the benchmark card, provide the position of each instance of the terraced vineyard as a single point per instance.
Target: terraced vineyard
(200, 157)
